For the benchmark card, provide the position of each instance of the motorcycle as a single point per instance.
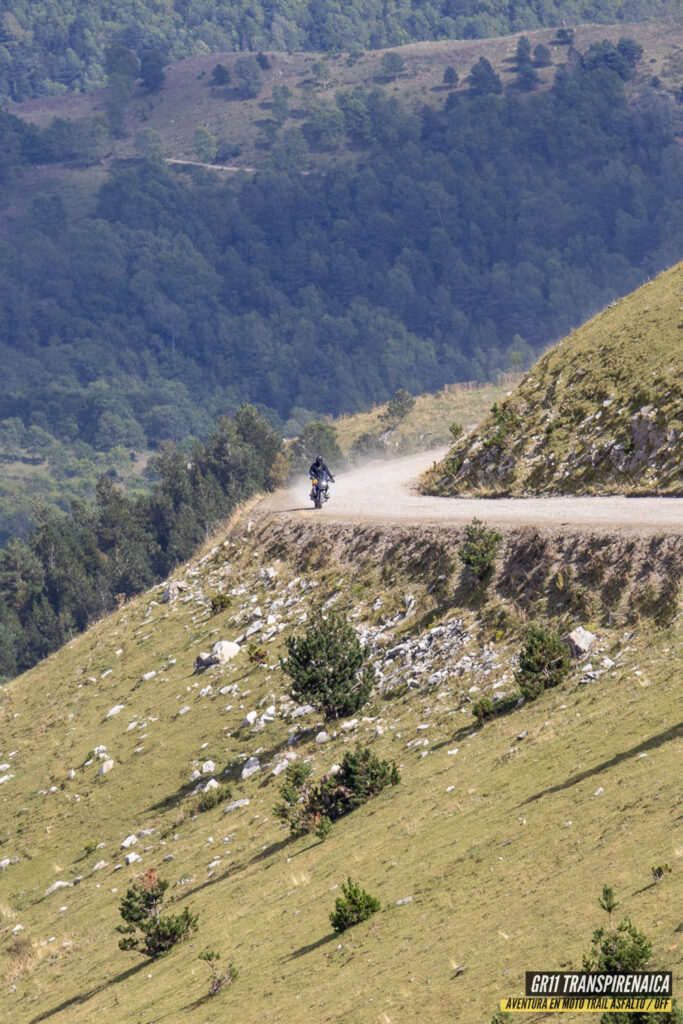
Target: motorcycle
(320, 490)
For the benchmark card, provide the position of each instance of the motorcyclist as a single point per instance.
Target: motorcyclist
(319, 471)
(318, 468)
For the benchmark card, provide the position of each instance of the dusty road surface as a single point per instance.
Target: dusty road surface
(386, 492)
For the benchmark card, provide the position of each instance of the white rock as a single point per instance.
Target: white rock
(71, 774)
(17, 928)
(225, 650)
(251, 767)
(133, 725)
(208, 768)
(322, 737)
(116, 710)
(4, 767)
(206, 691)
(106, 767)
(100, 865)
(132, 858)
(5, 778)
(235, 805)
(100, 751)
(580, 641)
(249, 719)
(196, 774)
(211, 784)
(147, 676)
(129, 841)
(183, 711)
(351, 724)
(57, 885)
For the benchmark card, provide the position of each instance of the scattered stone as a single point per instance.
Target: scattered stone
(106, 767)
(116, 710)
(129, 841)
(322, 737)
(147, 676)
(71, 774)
(249, 719)
(251, 767)
(57, 885)
(235, 805)
(208, 768)
(224, 651)
(406, 899)
(183, 711)
(211, 784)
(132, 858)
(100, 865)
(580, 641)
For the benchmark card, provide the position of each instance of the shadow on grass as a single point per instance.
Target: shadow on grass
(83, 997)
(303, 950)
(674, 733)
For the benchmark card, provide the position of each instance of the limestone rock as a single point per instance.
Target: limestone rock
(106, 767)
(132, 858)
(57, 885)
(580, 641)
(251, 767)
(235, 805)
(129, 841)
(116, 710)
(322, 737)
(249, 719)
(208, 768)
(225, 650)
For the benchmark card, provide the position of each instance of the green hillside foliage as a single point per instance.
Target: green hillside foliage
(455, 244)
(49, 49)
(602, 412)
(76, 566)
(486, 858)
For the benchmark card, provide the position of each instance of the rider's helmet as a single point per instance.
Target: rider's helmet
(319, 458)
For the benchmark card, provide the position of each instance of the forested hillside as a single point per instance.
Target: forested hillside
(448, 245)
(48, 48)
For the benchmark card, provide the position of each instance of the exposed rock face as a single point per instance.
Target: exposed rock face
(223, 651)
(252, 766)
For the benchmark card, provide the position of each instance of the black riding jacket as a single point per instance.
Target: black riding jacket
(317, 468)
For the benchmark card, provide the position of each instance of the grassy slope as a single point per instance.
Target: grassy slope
(502, 846)
(601, 412)
(426, 425)
(187, 99)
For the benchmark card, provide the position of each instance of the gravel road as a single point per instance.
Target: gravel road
(385, 492)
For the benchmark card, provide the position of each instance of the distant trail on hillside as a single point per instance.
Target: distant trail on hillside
(386, 492)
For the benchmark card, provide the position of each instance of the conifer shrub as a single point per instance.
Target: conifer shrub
(544, 661)
(327, 666)
(141, 910)
(219, 603)
(354, 906)
(212, 798)
(481, 547)
(307, 807)
(218, 979)
(482, 709)
(505, 420)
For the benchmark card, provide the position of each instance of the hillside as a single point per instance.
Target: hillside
(464, 854)
(384, 242)
(73, 55)
(601, 412)
(246, 126)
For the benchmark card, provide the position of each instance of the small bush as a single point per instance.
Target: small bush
(307, 807)
(141, 910)
(218, 979)
(482, 709)
(481, 548)
(659, 871)
(543, 662)
(504, 422)
(400, 405)
(257, 655)
(212, 798)
(456, 430)
(219, 603)
(354, 906)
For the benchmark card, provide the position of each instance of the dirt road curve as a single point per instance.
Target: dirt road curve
(385, 492)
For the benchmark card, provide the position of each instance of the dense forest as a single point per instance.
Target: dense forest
(449, 244)
(75, 567)
(49, 47)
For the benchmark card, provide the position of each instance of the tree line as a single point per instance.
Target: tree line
(75, 566)
(50, 48)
